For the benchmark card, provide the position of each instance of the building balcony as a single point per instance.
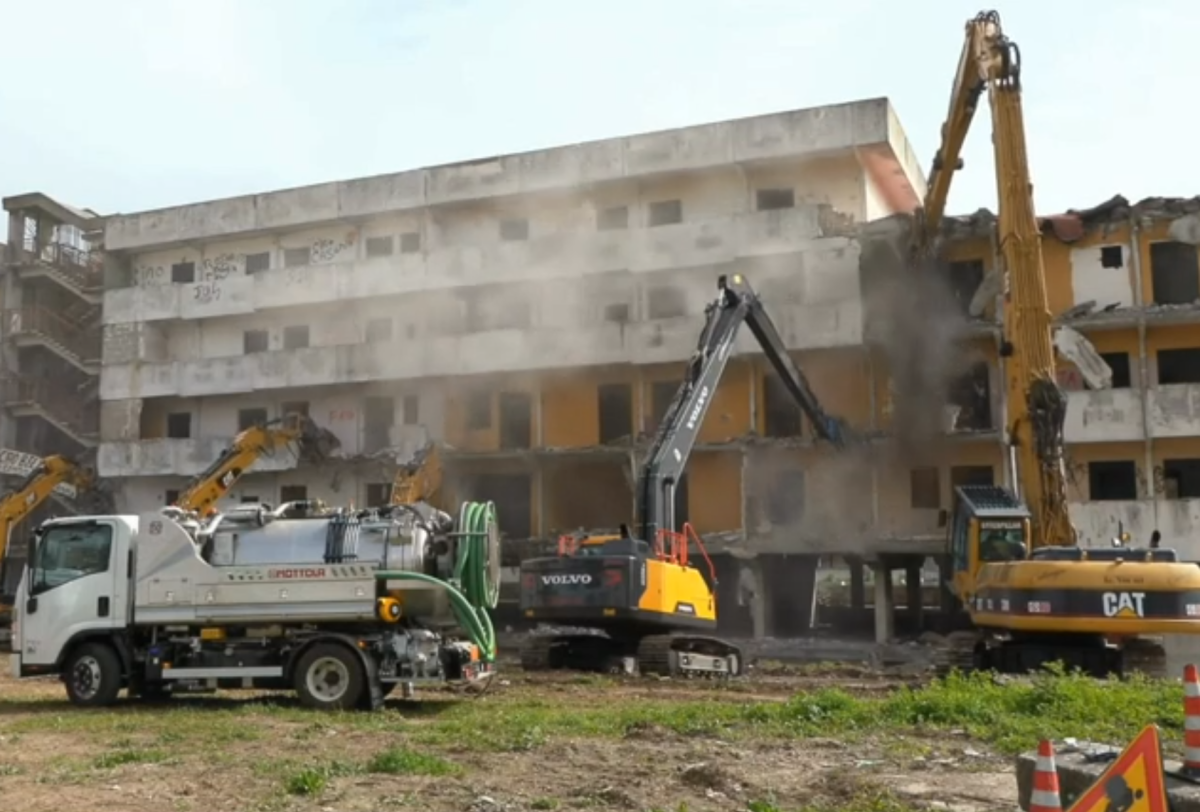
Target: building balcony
(1115, 415)
(76, 270)
(660, 341)
(175, 457)
(1177, 519)
(829, 266)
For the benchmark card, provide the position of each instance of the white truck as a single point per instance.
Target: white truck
(339, 606)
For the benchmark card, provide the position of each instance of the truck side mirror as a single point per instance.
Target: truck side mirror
(943, 517)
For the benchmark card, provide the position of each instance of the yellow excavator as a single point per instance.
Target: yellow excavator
(1032, 594)
(311, 443)
(16, 506)
(419, 479)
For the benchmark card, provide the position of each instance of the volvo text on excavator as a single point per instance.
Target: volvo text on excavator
(1032, 593)
(311, 443)
(646, 599)
(53, 472)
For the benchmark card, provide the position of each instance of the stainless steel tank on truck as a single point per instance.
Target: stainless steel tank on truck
(339, 606)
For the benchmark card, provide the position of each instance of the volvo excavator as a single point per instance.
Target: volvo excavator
(27, 497)
(1032, 594)
(311, 444)
(643, 604)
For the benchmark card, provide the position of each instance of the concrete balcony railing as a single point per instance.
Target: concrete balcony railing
(75, 341)
(1177, 519)
(1106, 416)
(55, 401)
(660, 341)
(175, 457)
(716, 241)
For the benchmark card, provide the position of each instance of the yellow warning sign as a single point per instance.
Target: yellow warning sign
(1132, 783)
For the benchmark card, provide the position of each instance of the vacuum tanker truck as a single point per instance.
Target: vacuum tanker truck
(340, 606)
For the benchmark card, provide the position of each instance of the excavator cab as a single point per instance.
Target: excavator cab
(988, 526)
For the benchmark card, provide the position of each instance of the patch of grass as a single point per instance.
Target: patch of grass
(402, 761)
(128, 755)
(544, 804)
(313, 779)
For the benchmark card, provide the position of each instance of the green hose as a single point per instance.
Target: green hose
(475, 588)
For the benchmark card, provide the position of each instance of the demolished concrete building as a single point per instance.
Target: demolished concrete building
(533, 312)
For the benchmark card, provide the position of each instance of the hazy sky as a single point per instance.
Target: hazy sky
(127, 105)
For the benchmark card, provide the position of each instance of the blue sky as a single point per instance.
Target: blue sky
(135, 104)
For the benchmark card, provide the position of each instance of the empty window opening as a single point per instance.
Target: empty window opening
(661, 395)
(1174, 272)
(410, 242)
(379, 413)
(1112, 256)
(514, 229)
(964, 278)
(972, 475)
(257, 263)
(972, 394)
(1118, 362)
(254, 341)
(292, 493)
(248, 418)
(249, 500)
(781, 415)
(379, 330)
(516, 420)
(410, 408)
(297, 257)
(479, 411)
(487, 308)
(379, 494)
(618, 313)
(612, 218)
(1112, 480)
(785, 501)
(179, 425)
(1181, 479)
(299, 407)
(1179, 366)
(513, 497)
(666, 303)
(295, 337)
(171, 497)
(615, 404)
(666, 212)
(380, 246)
(773, 199)
(925, 488)
(183, 273)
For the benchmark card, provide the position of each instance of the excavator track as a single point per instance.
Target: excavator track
(957, 652)
(670, 655)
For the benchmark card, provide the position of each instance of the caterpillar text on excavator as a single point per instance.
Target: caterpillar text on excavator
(646, 599)
(1033, 595)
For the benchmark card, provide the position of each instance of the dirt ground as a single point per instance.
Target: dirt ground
(500, 752)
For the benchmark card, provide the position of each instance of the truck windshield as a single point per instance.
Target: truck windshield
(68, 552)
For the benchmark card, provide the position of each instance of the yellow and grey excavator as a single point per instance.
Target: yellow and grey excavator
(420, 478)
(27, 497)
(311, 443)
(1033, 595)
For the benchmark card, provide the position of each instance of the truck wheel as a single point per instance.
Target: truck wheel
(93, 675)
(329, 677)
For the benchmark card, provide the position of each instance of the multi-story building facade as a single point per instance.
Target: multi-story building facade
(51, 288)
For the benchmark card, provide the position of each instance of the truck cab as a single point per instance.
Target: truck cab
(75, 586)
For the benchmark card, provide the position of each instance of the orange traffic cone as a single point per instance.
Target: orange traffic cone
(1045, 796)
(1191, 720)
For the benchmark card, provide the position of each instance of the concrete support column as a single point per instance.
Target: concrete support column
(858, 584)
(885, 615)
(756, 594)
(913, 597)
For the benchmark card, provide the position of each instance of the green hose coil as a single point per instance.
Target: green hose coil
(475, 588)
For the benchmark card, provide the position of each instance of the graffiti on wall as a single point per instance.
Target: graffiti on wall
(148, 275)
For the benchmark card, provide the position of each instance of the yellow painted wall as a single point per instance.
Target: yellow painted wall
(571, 404)
(715, 491)
(457, 393)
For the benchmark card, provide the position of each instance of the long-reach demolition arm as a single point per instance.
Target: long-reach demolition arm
(1036, 406)
(313, 444)
(736, 302)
